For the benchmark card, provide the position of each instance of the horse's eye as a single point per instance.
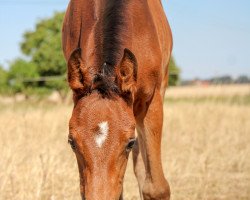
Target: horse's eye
(72, 143)
(130, 144)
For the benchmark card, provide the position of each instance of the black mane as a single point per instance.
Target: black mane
(113, 33)
(110, 36)
(105, 86)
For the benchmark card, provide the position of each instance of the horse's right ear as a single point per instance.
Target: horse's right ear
(77, 73)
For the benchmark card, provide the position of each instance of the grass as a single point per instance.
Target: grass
(235, 99)
(205, 149)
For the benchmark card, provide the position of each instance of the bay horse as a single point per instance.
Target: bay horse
(117, 54)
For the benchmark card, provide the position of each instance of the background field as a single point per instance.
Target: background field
(205, 147)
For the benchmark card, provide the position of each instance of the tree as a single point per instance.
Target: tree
(3, 79)
(174, 73)
(19, 74)
(242, 79)
(43, 46)
(222, 80)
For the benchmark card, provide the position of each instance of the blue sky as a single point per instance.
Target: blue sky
(211, 37)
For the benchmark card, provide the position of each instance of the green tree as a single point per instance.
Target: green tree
(174, 73)
(43, 46)
(243, 79)
(3, 80)
(20, 74)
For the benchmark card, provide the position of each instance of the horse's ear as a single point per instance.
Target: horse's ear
(77, 72)
(127, 73)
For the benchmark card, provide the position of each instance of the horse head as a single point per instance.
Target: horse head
(102, 126)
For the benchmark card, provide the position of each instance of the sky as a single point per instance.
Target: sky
(211, 37)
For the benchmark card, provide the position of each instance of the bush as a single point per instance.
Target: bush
(3, 80)
(20, 73)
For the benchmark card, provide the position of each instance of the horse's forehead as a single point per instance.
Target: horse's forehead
(95, 108)
(98, 114)
(95, 113)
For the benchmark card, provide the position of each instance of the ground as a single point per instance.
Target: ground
(205, 148)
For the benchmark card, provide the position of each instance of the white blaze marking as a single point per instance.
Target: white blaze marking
(102, 134)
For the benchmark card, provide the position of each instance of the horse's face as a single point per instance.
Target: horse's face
(101, 135)
(102, 130)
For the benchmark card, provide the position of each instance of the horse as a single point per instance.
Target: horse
(117, 54)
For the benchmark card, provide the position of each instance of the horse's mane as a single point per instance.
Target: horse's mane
(113, 27)
(111, 34)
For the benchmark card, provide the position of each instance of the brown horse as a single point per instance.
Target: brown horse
(117, 53)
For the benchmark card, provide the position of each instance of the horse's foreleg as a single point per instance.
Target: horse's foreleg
(154, 186)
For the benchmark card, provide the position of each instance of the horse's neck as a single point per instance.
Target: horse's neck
(111, 29)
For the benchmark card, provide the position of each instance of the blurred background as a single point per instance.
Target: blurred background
(207, 106)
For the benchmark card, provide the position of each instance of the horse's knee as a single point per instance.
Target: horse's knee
(156, 191)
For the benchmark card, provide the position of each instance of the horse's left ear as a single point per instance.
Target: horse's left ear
(127, 73)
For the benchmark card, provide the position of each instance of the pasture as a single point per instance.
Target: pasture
(205, 147)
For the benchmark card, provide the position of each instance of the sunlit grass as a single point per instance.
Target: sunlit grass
(205, 149)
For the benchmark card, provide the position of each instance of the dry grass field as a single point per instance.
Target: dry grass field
(206, 148)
